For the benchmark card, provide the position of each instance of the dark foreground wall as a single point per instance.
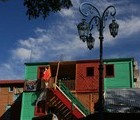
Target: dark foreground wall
(13, 113)
(106, 116)
(114, 116)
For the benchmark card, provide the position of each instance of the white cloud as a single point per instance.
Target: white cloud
(66, 12)
(129, 27)
(21, 53)
(7, 66)
(27, 43)
(40, 30)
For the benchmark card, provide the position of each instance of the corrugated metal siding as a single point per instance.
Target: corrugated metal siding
(122, 100)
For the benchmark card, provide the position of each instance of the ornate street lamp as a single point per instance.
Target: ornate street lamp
(84, 33)
(84, 30)
(113, 27)
(90, 41)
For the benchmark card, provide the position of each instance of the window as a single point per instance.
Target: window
(109, 70)
(11, 89)
(90, 71)
(40, 72)
(135, 79)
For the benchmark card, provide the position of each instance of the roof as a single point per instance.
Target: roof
(122, 100)
(62, 62)
(12, 82)
(79, 61)
(118, 59)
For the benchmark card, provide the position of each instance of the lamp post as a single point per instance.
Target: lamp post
(84, 29)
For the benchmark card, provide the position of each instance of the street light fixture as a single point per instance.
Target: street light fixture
(84, 30)
(90, 41)
(113, 27)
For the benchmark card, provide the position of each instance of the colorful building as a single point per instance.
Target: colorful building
(73, 91)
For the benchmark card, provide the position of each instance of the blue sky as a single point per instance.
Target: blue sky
(40, 40)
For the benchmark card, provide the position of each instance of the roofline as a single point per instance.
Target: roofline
(78, 61)
(62, 62)
(118, 59)
(12, 82)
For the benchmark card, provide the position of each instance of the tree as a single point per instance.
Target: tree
(42, 8)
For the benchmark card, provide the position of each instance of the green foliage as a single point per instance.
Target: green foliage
(42, 8)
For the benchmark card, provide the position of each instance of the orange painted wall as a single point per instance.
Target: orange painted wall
(84, 83)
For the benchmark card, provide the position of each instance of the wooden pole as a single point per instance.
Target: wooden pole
(55, 82)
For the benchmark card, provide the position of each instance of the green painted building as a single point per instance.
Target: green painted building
(119, 73)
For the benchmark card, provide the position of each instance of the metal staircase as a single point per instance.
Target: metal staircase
(66, 104)
(62, 110)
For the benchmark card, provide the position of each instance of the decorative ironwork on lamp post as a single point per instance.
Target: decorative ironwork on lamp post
(84, 30)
